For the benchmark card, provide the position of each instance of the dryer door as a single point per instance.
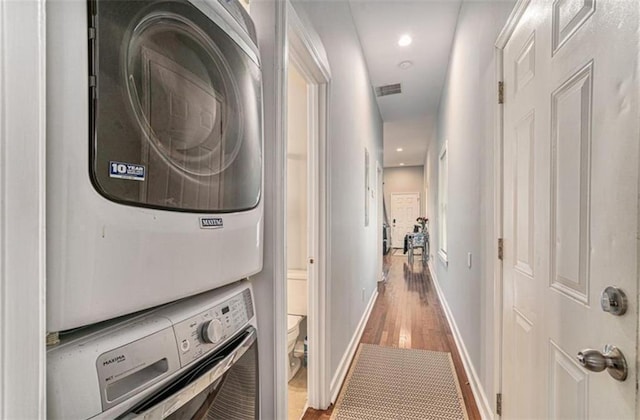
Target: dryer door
(222, 386)
(176, 110)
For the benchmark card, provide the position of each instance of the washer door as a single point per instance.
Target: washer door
(176, 110)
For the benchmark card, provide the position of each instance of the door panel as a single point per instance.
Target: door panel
(524, 197)
(567, 386)
(571, 134)
(570, 165)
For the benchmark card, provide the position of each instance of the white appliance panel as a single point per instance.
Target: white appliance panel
(104, 370)
(106, 259)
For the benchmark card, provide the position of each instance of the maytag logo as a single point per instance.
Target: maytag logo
(211, 223)
(116, 359)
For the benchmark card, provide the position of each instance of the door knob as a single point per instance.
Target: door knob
(611, 359)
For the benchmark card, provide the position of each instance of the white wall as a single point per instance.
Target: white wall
(467, 122)
(296, 170)
(403, 179)
(354, 123)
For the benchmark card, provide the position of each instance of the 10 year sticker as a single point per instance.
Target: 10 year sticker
(123, 170)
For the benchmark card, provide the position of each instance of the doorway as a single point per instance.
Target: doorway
(299, 234)
(379, 199)
(405, 209)
(306, 221)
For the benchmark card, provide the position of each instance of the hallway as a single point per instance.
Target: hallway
(159, 173)
(408, 314)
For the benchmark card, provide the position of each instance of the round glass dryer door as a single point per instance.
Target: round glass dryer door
(176, 110)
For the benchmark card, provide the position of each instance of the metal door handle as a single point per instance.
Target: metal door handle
(611, 359)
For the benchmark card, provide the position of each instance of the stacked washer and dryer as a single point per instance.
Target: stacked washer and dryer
(154, 209)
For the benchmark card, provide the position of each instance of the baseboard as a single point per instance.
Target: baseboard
(486, 412)
(343, 367)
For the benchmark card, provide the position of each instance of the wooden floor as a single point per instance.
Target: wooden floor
(408, 314)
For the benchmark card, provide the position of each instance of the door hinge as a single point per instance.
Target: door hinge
(500, 249)
(500, 92)
(499, 404)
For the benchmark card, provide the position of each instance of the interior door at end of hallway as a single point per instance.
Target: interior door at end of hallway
(405, 209)
(571, 165)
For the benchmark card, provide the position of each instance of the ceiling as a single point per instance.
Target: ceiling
(410, 136)
(409, 116)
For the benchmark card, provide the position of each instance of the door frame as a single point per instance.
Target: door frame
(391, 195)
(379, 200)
(22, 209)
(305, 49)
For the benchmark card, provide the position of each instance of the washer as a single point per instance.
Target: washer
(193, 359)
(154, 154)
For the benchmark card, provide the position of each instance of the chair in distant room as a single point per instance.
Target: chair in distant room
(418, 240)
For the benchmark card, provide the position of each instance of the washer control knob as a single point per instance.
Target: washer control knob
(211, 331)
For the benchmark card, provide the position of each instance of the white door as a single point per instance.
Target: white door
(571, 134)
(405, 209)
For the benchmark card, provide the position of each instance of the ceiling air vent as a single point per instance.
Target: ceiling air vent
(388, 90)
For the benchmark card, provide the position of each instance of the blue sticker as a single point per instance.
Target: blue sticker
(124, 170)
(211, 223)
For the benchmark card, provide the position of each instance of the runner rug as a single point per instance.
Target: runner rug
(394, 383)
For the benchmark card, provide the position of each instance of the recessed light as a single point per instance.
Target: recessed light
(404, 40)
(405, 64)
(402, 164)
(399, 149)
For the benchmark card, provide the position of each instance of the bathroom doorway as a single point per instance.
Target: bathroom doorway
(307, 82)
(298, 235)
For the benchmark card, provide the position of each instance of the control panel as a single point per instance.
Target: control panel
(202, 333)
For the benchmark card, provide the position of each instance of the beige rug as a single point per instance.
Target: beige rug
(393, 383)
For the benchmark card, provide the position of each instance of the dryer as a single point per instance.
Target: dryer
(154, 154)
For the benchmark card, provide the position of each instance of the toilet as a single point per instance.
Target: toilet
(297, 313)
(293, 331)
